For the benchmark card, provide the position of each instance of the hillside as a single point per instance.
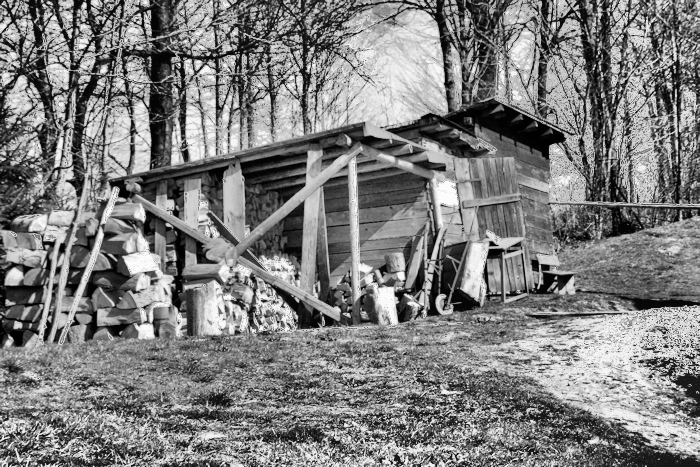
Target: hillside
(657, 264)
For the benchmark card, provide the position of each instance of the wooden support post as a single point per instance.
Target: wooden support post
(323, 265)
(234, 199)
(310, 230)
(298, 198)
(193, 188)
(160, 239)
(354, 211)
(465, 192)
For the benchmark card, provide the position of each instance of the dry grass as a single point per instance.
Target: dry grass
(414, 395)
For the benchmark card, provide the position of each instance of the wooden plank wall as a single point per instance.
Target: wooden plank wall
(533, 180)
(392, 211)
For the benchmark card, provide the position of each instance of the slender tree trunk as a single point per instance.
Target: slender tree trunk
(544, 55)
(249, 111)
(272, 94)
(447, 64)
(163, 13)
(465, 65)
(182, 113)
(39, 79)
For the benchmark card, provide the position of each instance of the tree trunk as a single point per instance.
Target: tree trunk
(182, 113)
(544, 55)
(447, 63)
(161, 96)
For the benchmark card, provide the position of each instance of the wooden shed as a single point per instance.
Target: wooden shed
(358, 192)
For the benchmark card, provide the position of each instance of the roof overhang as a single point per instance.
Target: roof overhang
(512, 121)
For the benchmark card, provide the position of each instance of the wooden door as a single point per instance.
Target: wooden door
(497, 177)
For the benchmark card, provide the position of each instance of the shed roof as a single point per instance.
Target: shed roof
(512, 121)
(283, 164)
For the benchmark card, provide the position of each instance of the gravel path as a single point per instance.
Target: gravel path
(594, 363)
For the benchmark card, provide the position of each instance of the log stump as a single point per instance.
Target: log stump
(380, 305)
(204, 316)
(395, 262)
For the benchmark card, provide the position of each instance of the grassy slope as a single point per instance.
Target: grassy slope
(655, 264)
(414, 395)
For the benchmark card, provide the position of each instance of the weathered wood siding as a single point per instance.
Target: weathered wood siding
(533, 180)
(392, 211)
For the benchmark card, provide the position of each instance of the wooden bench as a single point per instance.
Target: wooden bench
(553, 280)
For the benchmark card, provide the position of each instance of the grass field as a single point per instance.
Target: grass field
(413, 395)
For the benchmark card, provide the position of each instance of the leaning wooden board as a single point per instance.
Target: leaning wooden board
(553, 314)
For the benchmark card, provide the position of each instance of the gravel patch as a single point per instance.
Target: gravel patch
(624, 368)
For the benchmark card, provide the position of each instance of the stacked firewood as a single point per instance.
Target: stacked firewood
(386, 298)
(235, 301)
(260, 204)
(128, 295)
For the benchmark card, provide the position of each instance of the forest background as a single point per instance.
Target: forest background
(91, 89)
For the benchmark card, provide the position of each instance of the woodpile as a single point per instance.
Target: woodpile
(260, 204)
(389, 294)
(128, 295)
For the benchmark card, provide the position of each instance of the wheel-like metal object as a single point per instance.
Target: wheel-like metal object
(440, 305)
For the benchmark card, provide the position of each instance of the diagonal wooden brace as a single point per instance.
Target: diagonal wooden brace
(275, 281)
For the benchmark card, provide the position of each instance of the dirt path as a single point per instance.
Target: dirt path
(586, 362)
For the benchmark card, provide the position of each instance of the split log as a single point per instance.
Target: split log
(35, 277)
(118, 227)
(161, 312)
(7, 341)
(133, 212)
(51, 234)
(143, 331)
(380, 305)
(9, 239)
(80, 256)
(132, 264)
(102, 298)
(79, 318)
(409, 308)
(74, 276)
(166, 330)
(170, 237)
(162, 289)
(125, 244)
(108, 280)
(27, 258)
(10, 325)
(61, 218)
(84, 304)
(91, 226)
(204, 316)
(131, 300)
(30, 223)
(79, 333)
(137, 283)
(365, 281)
(106, 333)
(29, 240)
(395, 262)
(81, 237)
(24, 295)
(29, 313)
(206, 271)
(116, 317)
(29, 339)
